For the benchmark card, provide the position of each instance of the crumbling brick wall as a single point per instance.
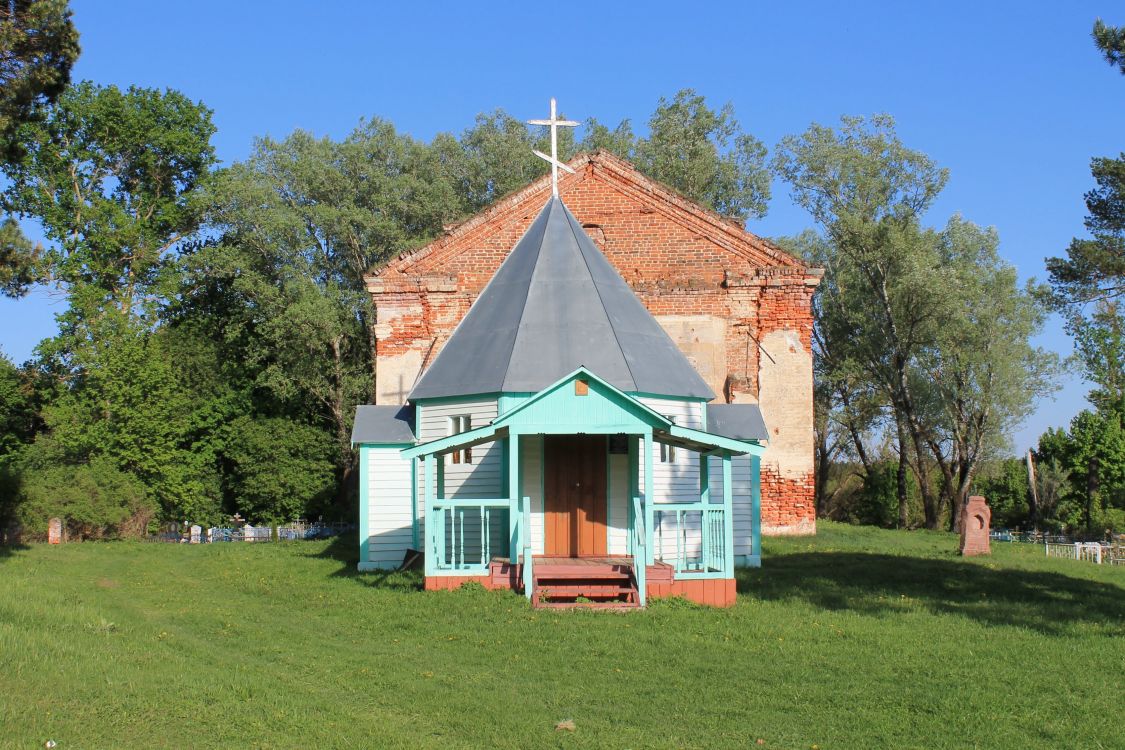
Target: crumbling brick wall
(738, 307)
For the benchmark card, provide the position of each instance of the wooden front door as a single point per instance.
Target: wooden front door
(575, 488)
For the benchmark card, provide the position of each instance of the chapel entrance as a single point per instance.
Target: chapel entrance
(575, 518)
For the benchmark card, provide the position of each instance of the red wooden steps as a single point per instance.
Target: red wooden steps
(579, 582)
(586, 584)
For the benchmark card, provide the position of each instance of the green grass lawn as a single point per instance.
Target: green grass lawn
(857, 638)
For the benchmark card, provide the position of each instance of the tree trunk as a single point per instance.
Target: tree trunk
(823, 461)
(1032, 494)
(372, 351)
(903, 465)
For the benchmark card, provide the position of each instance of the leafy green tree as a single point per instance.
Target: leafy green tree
(19, 260)
(1094, 268)
(1111, 41)
(701, 152)
(94, 499)
(1099, 342)
(705, 155)
(848, 408)
(111, 176)
(38, 46)
(18, 419)
(868, 191)
(620, 141)
(1092, 452)
(279, 469)
(956, 369)
(301, 222)
(1003, 483)
(984, 374)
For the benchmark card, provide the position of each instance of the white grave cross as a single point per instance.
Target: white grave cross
(553, 159)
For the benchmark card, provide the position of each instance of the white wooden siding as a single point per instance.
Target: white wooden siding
(481, 478)
(676, 481)
(740, 495)
(388, 524)
(531, 485)
(619, 502)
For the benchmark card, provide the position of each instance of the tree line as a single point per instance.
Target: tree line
(923, 358)
(217, 335)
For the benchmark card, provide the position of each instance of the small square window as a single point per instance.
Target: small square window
(457, 425)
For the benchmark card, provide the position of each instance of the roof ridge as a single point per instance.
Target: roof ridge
(526, 295)
(570, 220)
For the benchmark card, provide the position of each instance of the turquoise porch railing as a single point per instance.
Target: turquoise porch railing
(464, 535)
(640, 550)
(692, 538)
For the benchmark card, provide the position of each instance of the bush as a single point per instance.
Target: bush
(95, 500)
(278, 469)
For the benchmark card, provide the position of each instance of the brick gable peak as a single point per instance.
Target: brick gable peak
(726, 231)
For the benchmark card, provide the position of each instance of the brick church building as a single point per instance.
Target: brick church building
(737, 306)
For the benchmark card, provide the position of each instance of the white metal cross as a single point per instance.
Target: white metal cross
(553, 159)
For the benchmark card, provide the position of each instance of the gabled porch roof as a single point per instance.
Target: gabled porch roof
(599, 409)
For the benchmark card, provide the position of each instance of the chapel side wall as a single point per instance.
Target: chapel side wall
(389, 521)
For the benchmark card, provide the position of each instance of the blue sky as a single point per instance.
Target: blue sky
(1012, 98)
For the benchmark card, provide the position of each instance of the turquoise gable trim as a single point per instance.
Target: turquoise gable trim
(509, 401)
(603, 410)
(718, 441)
(480, 434)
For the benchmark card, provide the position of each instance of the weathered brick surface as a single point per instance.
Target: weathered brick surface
(976, 522)
(686, 264)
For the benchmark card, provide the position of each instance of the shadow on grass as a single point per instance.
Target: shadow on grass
(10, 550)
(880, 585)
(344, 549)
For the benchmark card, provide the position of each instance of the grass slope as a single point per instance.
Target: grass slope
(857, 638)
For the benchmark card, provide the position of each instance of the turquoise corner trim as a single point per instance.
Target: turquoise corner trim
(756, 507)
(414, 503)
(364, 501)
(608, 498)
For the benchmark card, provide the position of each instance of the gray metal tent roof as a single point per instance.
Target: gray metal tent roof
(556, 304)
(738, 421)
(383, 424)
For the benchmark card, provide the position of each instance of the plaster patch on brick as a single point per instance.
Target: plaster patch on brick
(396, 376)
(785, 393)
(703, 339)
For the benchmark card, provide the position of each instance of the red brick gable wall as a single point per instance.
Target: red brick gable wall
(738, 307)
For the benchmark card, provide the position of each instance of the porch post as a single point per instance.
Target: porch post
(705, 548)
(728, 518)
(704, 478)
(440, 461)
(514, 497)
(634, 485)
(755, 558)
(432, 524)
(650, 496)
(414, 540)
